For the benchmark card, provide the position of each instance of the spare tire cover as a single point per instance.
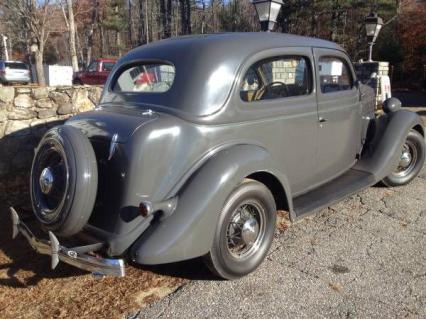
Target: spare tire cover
(64, 180)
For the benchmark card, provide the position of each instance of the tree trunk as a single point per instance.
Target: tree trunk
(203, 18)
(39, 68)
(118, 37)
(147, 29)
(188, 17)
(118, 43)
(182, 16)
(91, 31)
(141, 29)
(73, 51)
(334, 21)
(168, 31)
(130, 24)
(185, 12)
(163, 15)
(102, 39)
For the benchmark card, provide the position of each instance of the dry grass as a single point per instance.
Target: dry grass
(283, 221)
(29, 289)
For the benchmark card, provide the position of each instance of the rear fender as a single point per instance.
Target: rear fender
(383, 152)
(189, 231)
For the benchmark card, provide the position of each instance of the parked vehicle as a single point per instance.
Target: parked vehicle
(197, 141)
(96, 73)
(14, 72)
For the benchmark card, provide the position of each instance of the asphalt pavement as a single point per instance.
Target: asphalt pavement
(362, 258)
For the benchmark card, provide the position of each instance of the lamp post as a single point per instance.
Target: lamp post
(373, 25)
(267, 11)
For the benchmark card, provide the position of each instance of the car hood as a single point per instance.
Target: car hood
(104, 124)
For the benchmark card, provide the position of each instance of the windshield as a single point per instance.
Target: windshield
(145, 78)
(16, 65)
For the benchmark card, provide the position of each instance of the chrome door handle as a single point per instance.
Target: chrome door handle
(322, 120)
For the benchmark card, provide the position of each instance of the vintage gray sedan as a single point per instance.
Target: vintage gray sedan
(197, 141)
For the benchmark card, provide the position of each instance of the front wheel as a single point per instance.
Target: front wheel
(411, 161)
(244, 232)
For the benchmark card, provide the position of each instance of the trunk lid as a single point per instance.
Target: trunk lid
(104, 124)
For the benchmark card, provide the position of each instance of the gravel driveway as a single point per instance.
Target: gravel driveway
(362, 258)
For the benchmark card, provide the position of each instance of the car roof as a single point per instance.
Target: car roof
(237, 43)
(249, 41)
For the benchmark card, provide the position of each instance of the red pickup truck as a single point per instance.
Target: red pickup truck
(96, 73)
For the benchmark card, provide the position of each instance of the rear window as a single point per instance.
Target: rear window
(16, 65)
(145, 78)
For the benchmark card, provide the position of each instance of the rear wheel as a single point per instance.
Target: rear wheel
(64, 178)
(244, 232)
(411, 161)
(77, 82)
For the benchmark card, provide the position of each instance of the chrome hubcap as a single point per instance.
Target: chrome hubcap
(46, 180)
(49, 181)
(245, 230)
(407, 160)
(250, 231)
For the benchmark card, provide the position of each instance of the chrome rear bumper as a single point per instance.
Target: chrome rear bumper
(71, 256)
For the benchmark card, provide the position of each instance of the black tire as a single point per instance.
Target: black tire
(406, 172)
(77, 82)
(64, 180)
(226, 263)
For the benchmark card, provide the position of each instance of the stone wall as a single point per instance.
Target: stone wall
(25, 115)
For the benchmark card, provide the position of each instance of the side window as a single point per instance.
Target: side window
(92, 67)
(278, 77)
(334, 75)
(107, 66)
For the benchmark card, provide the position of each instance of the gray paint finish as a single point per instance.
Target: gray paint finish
(201, 140)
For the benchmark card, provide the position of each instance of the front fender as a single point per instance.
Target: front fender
(383, 154)
(189, 231)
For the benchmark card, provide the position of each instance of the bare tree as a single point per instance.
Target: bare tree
(166, 17)
(185, 12)
(34, 14)
(69, 21)
(90, 31)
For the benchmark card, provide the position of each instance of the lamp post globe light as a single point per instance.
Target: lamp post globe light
(373, 25)
(267, 11)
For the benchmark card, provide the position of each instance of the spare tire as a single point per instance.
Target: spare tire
(64, 180)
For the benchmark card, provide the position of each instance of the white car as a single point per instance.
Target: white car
(14, 71)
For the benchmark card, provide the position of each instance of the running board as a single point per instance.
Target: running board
(343, 186)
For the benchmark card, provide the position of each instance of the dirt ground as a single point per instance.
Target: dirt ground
(29, 289)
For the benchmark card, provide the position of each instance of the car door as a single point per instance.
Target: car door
(106, 68)
(278, 99)
(339, 114)
(90, 76)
